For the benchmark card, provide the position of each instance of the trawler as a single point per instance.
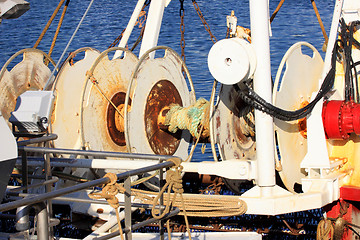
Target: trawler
(88, 132)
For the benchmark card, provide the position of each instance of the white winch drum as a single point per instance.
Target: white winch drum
(155, 84)
(102, 125)
(68, 88)
(299, 80)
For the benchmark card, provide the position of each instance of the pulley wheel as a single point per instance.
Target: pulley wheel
(155, 84)
(102, 115)
(300, 79)
(29, 74)
(68, 88)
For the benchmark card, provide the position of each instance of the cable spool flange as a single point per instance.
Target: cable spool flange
(29, 74)
(68, 87)
(299, 80)
(103, 100)
(155, 84)
(233, 125)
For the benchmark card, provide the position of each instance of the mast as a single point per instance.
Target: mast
(259, 20)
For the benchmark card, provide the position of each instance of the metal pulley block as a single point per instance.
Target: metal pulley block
(155, 85)
(29, 74)
(102, 112)
(68, 89)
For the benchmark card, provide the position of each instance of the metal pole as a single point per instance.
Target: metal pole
(81, 186)
(38, 140)
(161, 202)
(43, 222)
(95, 153)
(127, 195)
(259, 19)
(129, 27)
(92, 163)
(153, 25)
(24, 169)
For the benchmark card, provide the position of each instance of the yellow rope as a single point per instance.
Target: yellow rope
(48, 24)
(109, 192)
(174, 183)
(189, 204)
(325, 230)
(58, 27)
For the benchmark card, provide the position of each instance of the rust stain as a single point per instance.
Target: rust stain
(115, 127)
(161, 96)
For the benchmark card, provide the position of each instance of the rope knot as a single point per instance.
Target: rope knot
(109, 191)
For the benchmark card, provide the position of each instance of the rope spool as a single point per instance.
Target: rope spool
(156, 84)
(103, 102)
(67, 87)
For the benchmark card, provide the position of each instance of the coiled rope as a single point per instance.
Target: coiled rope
(325, 230)
(173, 183)
(109, 192)
(189, 118)
(189, 204)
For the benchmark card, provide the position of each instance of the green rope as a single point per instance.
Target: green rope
(189, 118)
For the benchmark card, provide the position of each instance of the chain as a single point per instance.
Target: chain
(117, 40)
(182, 29)
(196, 6)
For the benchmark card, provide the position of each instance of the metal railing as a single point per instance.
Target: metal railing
(34, 200)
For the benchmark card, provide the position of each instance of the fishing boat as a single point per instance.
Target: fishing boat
(111, 135)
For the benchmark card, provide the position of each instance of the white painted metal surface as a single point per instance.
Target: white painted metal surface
(112, 78)
(69, 84)
(32, 111)
(8, 146)
(130, 27)
(148, 74)
(231, 60)
(259, 19)
(153, 25)
(230, 133)
(10, 9)
(291, 92)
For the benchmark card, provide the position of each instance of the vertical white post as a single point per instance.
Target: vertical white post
(153, 25)
(129, 27)
(259, 19)
(332, 36)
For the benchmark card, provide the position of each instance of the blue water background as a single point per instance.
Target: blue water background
(296, 21)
